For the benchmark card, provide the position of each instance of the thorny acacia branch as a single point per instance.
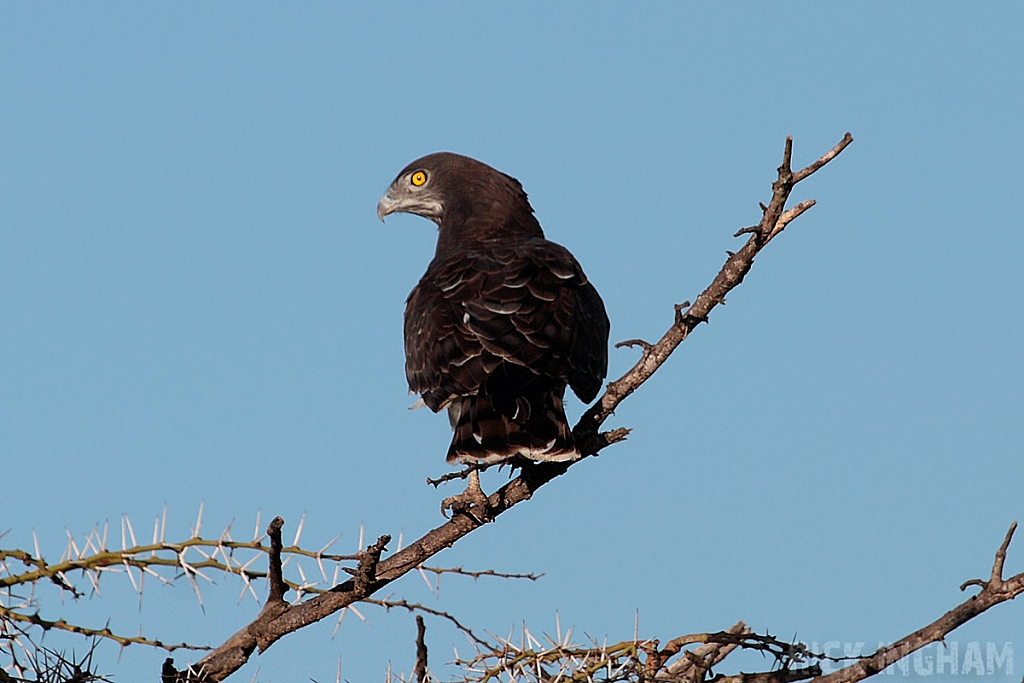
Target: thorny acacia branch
(87, 560)
(546, 659)
(92, 558)
(135, 557)
(272, 625)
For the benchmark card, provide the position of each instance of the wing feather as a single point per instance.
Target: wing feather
(527, 303)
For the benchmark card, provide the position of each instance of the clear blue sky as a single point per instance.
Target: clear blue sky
(197, 302)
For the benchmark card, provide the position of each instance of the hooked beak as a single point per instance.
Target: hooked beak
(420, 204)
(386, 205)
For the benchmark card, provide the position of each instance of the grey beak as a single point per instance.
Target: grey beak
(386, 205)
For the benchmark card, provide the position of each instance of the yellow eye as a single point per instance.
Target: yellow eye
(418, 178)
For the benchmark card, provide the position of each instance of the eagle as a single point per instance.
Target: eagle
(502, 320)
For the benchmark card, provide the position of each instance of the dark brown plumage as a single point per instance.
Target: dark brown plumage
(502, 320)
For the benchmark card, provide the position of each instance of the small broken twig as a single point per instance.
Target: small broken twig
(419, 671)
(366, 574)
(275, 574)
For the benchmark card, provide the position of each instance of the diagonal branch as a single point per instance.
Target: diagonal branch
(773, 221)
(993, 592)
(268, 628)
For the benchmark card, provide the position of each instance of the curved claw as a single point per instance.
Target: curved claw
(471, 502)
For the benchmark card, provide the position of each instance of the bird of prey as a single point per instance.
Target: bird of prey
(501, 321)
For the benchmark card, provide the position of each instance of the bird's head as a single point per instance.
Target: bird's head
(461, 195)
(420, 188)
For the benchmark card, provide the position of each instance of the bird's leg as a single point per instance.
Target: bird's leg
(473, 501)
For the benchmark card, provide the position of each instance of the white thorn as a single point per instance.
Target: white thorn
(199, 520)
(358, 614)
(148, 570)
(242, 568)
(430, 587)
(131, 531)
(72, 545)
(132, 578)
(324, 549)
(340, 618)
(195, 587)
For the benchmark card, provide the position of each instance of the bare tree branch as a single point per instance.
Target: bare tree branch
(476, 575)
(416, 607)
(773, 221)
(993, 592)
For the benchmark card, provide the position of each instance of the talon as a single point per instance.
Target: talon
(472, 502)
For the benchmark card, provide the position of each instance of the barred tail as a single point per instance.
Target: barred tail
(538, 429)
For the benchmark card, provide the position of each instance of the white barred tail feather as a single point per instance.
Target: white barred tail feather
(538, 430)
